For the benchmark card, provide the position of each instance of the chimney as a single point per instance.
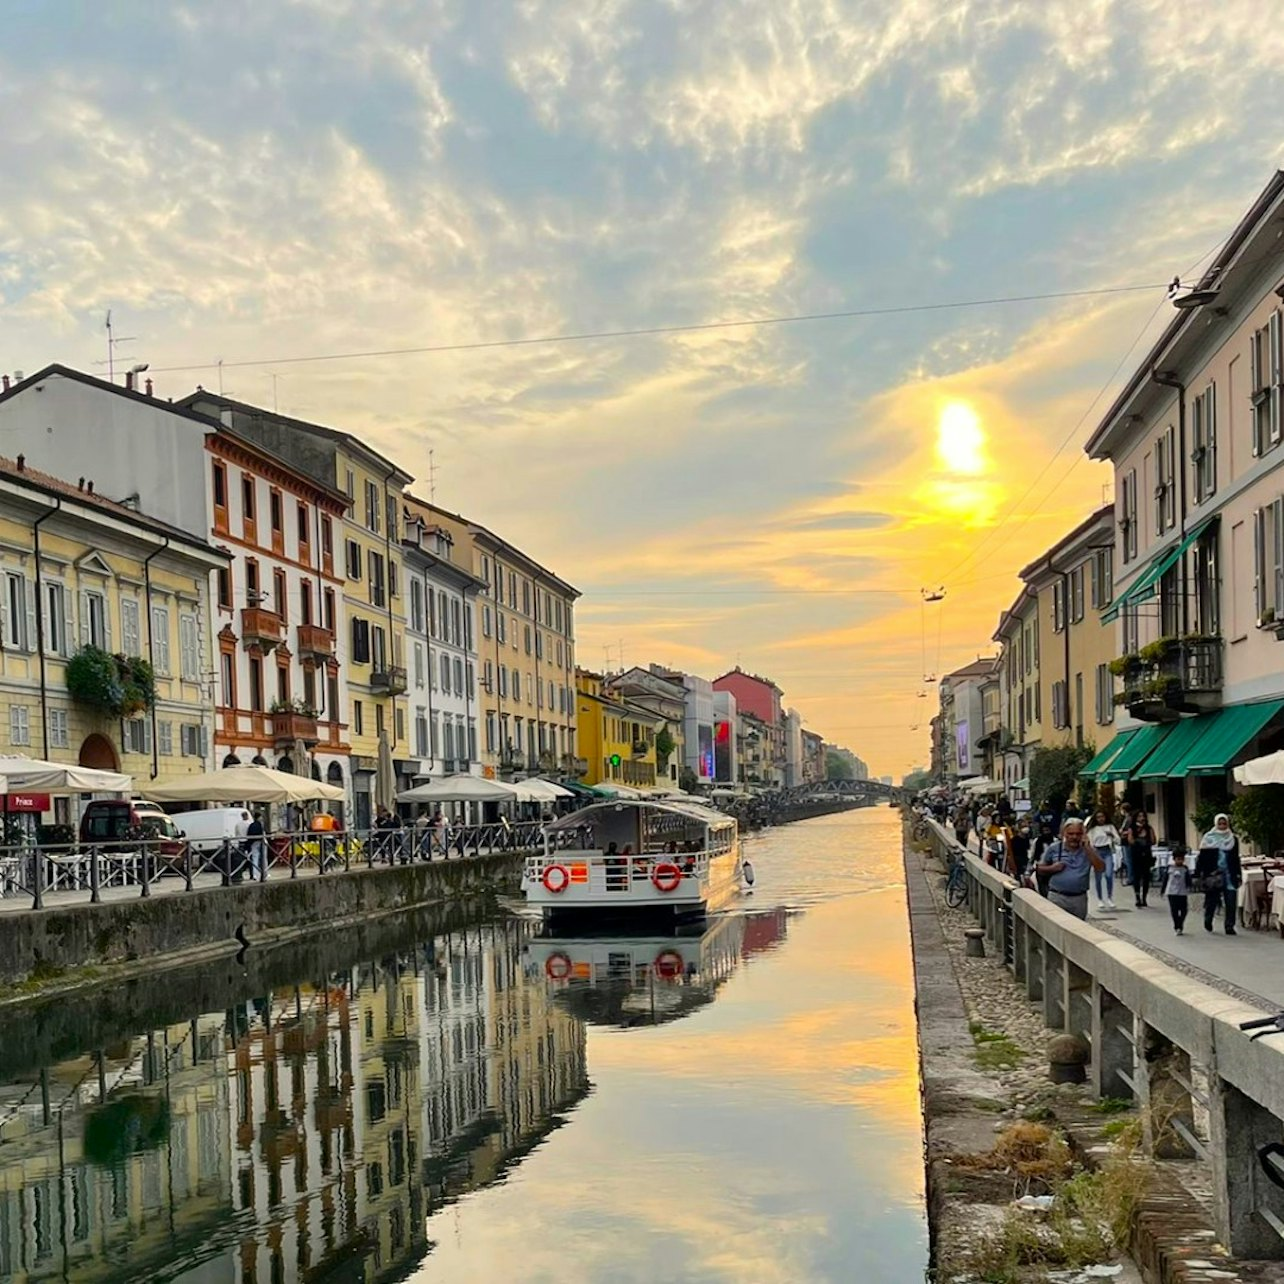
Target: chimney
(129, 381)
(22, 463)
(89, 486)
(5, 380)
(82, 484)
(147, 387)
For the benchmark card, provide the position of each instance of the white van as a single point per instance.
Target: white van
(209, 829)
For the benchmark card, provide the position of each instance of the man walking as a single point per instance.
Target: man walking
(1069, 865)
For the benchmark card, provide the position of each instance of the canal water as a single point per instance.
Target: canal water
(444, 1101)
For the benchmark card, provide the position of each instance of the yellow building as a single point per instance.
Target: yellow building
(525, 634)
(79, 570)
(1073, 583)
(374, 609)
(1020, 693)
(616, 738)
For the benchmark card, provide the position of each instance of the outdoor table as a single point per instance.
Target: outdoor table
(1163, 857)
(1276, 888)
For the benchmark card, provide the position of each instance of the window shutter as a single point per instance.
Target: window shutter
(1259, 541)
(1210, 441)
(1277, 554)
(30, 638)
(1277, 374)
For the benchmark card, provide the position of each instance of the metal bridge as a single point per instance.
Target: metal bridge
(826, 790)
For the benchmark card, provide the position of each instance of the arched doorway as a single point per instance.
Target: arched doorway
(99, 752)
(286, 765)
(316, 770)
(231, 761)
(259, 760)
(334, 774)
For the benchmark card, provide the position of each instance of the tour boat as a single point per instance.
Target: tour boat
(635, 856)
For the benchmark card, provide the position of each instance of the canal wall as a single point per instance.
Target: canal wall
(46, 945)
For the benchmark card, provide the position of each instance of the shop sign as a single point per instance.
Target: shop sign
(27, 802)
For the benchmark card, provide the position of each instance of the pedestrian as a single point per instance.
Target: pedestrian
(1177, 889)
(385, 823)
(1020, 848)
(962, 823)
(1104, 838)
(256, 843)
(1069, 864)
(438, 833)
(1140, 838)
(1221, 882)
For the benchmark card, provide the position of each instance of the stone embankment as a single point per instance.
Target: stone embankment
(997, 1129)
(53, 948)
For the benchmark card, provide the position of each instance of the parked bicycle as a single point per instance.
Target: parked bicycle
(956, 884)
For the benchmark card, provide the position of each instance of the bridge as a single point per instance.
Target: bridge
(816, 798)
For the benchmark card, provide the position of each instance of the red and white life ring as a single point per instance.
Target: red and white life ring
(666, 876)
(557, 878)
(558, 967)
(669, 965)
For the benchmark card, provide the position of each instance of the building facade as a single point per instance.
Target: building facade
(1020, 692)
(763, 699)
(441, 650)
(1195, 442)
(616, 737)
(526, 652)
(84, 576)
(665, 700)
(726, 740)
(963, 719)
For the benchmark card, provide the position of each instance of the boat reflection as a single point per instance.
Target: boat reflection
(303, 1133)
(627, 981)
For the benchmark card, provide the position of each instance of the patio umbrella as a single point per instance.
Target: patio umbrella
(244, 784)
(1268, 770)
(385, 781)
(459, 789)
(536, 790)
(36, 775)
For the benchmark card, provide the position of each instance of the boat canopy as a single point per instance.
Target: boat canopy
(687, 810)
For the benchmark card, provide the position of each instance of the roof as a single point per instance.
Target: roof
(92, 381)
(1106, 513)
(498, 542)
(979, 668)
(18, 471)
(753, 677)
(1023, 597)
(1215, 274)
(336, 435)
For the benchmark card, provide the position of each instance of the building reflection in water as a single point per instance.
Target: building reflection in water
(304, 1135)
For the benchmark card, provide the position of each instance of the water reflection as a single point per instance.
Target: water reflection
(305, 1133)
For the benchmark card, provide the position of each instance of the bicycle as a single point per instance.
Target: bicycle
(919, 833)
(956, 884)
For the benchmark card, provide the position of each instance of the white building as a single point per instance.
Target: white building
(962, 715)
(441, 649)
(697, 725)
(726, 731)
(793, 749)
(278, 676)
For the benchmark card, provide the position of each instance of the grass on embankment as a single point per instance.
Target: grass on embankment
(994, 1051)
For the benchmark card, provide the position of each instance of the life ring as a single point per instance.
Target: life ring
(557, 967)
(557, 878)
(669, 965)
(746, 872)
(666, 876)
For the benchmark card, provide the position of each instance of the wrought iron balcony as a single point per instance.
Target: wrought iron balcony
(1172, 677)
(261, 628)
(388, 678)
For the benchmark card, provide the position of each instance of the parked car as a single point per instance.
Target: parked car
(207, 830)
(116, 821)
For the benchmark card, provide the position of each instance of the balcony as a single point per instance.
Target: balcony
(576, 767)
(261, 628)
(1171, 677)
(289, 725)
(315, 644)
(641, 748)
(388, 678)
(512, 760)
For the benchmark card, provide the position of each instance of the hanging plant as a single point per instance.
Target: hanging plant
(116, 685)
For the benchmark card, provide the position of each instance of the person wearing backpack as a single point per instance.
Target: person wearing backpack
(1069, 864)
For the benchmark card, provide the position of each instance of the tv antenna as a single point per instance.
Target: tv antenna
(113, 340)
(432, 476)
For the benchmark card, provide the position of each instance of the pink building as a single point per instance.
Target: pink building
(762, 698)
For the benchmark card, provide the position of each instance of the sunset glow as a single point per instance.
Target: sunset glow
(960, 440)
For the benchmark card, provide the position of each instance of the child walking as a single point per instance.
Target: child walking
(1177, 889)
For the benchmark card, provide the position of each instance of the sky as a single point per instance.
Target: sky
(249, 184)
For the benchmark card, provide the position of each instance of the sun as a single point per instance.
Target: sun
(960, 439)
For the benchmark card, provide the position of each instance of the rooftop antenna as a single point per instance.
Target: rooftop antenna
(220, 376)
(432, 476)
(112, 340)
(274, 379)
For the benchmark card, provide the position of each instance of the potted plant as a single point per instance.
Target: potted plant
(118, 686)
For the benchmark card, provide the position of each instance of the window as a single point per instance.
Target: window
(1207, 585)
(375, 565)
(1131, 630)
(349, 484)
(56, 639)
(274, 510)
(305, 602)
(227, 679)
(219, 474)
(334, 711)
(391, 504)
(165, 739)
(1105, 700)
(189, 651)
(419, 664)
(416, 606)
(94, 630)
(485, 620)
(456, 623)
(1076, 595)
(1128, 515)
(17, 628)
(360, 641)
(434, 735)
(59, 729)
(526, 629)
(421, 734)
(1103, 577)
(1267, 375)
(526, 597)
(225, 588)
(282, 682)
(448, 738)
(503, 682)
(1268, 562)
(304, 525)
(459, 676)
(1203, 455)
(256, 684)
(252, 582)
(327, 538)
(1165, 481)
(329, 609)
(517, 685)
(488, 677)
(490, 733)
(499, 626)
(191, 740)
(247, 498)
(352, 555)
(280, 594)
(393, 590)
(378, 649)
(358, 718)
(379, 720)
(137, 736)
(1060, 705)
(1059, 606)
(472, 739)
(372, 507)
(19, 724)
(445, 674)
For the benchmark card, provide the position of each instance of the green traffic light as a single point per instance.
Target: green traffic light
(615, 760)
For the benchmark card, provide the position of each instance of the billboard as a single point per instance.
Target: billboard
(963, 743)
(723, 766)
(704, 745)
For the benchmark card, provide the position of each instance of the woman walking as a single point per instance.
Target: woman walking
(1221, 882)
(1104, 837)
(1140, 837)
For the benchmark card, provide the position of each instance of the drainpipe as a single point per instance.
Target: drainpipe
(40, 627)
(428, 611)
(468, 686)
(151, 645)
(392, 636)
(1065, 646)
(1167, 379)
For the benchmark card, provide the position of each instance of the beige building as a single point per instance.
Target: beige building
(1072, 583)
(1196, 440)
(525, 651)
(1020, 695)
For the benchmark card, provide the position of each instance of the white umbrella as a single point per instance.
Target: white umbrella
(1268, 770)
(537, 790)
(37, 776)
(245, 784)
(460, 789)
(611, 790)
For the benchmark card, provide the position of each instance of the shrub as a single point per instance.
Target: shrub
(116, 685)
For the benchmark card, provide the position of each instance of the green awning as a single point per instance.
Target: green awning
(1104, 757)
(1170, 760)
(1125, 763)
(1144, 585)
(1233, 728)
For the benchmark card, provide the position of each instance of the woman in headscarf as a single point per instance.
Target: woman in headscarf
(1219, 861)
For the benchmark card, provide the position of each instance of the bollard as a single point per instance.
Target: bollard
(975, 937)
(1067, 1056)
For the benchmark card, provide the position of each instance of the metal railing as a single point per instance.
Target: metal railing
(1206, 1092)
(81, 873)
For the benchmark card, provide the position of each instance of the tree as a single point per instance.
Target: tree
(836, 766)
(917, 781)
(1258, 815)
(664, 746)
(1054, 773)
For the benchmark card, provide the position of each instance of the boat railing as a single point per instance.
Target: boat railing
(598, 872)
